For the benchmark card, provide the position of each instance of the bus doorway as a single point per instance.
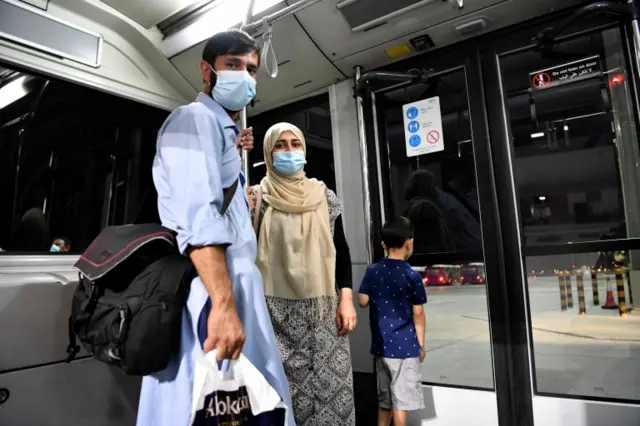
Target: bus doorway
(535, 146)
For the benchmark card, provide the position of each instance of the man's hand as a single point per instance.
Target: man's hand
(244, 140)
(346, 317)
(224, 331)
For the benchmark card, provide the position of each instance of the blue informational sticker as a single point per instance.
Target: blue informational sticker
(413, 126)
(412, 113)
(414, 141)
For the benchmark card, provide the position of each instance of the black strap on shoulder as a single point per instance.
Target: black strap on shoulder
(228, 196)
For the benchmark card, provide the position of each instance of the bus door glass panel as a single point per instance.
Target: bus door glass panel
(576, 165)
(438, 192)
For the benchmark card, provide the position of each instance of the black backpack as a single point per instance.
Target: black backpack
(127, 308)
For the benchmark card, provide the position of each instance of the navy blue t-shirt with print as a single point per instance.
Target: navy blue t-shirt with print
(393, 288)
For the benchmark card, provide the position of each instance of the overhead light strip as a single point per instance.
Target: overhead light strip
(228, 14)
(345, 3)
(184, 17)
(191, 14)
(13, 91)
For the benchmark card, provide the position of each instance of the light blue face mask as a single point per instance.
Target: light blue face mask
(289, 163)
(234, 90)
(54, 249)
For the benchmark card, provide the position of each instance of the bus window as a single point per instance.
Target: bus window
(74, 160)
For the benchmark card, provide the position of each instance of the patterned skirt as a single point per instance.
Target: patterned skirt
(316, 360)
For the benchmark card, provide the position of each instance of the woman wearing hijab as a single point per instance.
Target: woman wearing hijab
(306, 267)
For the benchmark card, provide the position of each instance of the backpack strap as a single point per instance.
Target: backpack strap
(257, 210)
(72, 348)
(228, 196)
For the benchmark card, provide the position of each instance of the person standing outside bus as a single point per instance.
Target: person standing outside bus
(197, 158)
(395, 295)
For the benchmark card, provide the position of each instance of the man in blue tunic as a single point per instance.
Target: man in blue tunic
(197, 158)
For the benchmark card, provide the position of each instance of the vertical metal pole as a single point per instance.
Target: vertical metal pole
(249, 14)
(364, 163)
(383, 215)
(244, 154)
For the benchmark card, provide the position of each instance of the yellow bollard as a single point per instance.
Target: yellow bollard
(622, 302)
(563, 292)
(567, 285)
(630, 291)
(580, 284)
(594, 288)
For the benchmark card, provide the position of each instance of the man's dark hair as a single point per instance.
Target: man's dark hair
(422, 183)
(229, 42)
(65, 240)
(396, 232)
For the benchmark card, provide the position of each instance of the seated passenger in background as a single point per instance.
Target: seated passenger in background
(306, 267)
(395, 295)
(60, 245)
(197, 158)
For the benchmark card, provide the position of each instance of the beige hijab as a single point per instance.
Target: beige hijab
(296, 254)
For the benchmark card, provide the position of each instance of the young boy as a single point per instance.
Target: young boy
(395, 295)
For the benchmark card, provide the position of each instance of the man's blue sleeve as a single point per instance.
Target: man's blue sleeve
(187, 174)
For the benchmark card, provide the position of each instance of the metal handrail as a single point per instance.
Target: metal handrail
(548, 36)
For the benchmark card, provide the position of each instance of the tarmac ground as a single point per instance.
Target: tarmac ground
(596, 354)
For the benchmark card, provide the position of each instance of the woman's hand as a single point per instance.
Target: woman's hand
(346, 317)
(252, 199)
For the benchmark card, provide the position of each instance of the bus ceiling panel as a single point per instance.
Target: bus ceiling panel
(337, 31)
(383, 45)
(141, 12)
(303, 68)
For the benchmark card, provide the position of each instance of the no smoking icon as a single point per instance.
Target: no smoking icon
(433, 136)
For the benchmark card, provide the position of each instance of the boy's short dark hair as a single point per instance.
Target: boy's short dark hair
(229, 42)
(396, 232)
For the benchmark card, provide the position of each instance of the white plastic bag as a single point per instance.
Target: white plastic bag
(240, 396)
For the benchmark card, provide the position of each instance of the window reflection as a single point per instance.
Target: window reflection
(437, 192)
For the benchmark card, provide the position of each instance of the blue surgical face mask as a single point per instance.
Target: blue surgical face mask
(288, 163)
(234, 90)
(54, 248)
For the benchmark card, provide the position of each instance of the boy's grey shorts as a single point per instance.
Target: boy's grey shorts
(399, 384)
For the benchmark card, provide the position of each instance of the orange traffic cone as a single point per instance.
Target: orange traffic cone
(610, 303)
